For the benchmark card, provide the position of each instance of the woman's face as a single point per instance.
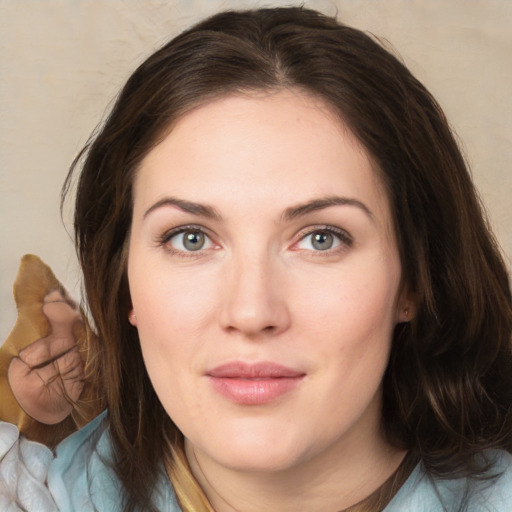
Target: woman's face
(264, 275)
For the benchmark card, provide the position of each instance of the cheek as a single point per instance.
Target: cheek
(173, 310)
(168, 303)
(357, 304)
(353, 326)
(169, 340)
(352, 320)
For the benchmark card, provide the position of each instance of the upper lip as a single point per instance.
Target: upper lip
(261, 370)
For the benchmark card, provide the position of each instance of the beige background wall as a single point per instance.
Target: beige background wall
(62, 61)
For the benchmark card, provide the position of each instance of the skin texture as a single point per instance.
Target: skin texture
(260, 291)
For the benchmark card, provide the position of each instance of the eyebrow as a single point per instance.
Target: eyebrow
(320, 204)
(290, 213)
(186, 206)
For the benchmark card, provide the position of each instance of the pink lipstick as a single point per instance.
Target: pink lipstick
(253, 384)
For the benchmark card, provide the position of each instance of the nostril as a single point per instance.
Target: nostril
(253, 332)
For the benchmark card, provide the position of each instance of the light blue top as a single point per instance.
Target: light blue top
(79, 479)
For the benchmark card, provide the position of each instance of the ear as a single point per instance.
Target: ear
(406, 308)
(132, 318)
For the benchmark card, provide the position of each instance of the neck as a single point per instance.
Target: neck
(344, 474)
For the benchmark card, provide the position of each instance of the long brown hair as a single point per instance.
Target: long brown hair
(448, 387)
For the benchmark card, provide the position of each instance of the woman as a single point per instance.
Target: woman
(300, 304)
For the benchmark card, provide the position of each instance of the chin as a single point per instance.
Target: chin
(258, 460)
(260, 449)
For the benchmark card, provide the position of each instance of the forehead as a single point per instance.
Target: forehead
(270, 148)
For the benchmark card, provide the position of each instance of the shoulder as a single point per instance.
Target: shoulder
(81, 477)
(492, 493)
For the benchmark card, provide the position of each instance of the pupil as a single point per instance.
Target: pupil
(322, 241)
(193, 241)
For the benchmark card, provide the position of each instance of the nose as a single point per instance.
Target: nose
(254, 299)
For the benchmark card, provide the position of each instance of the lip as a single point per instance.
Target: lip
(253, 384)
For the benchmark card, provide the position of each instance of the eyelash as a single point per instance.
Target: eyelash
(165, 239)
(343, 237)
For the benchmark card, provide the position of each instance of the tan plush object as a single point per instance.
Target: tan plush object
(50, 381)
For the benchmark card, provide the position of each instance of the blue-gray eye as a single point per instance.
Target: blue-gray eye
(193, 240)
(322, 240)
(189, 240)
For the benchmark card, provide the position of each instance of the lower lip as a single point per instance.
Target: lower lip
(254, 391)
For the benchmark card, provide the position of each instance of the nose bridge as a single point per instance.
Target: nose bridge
(254, 302)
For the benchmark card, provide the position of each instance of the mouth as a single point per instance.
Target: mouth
(254, 384)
